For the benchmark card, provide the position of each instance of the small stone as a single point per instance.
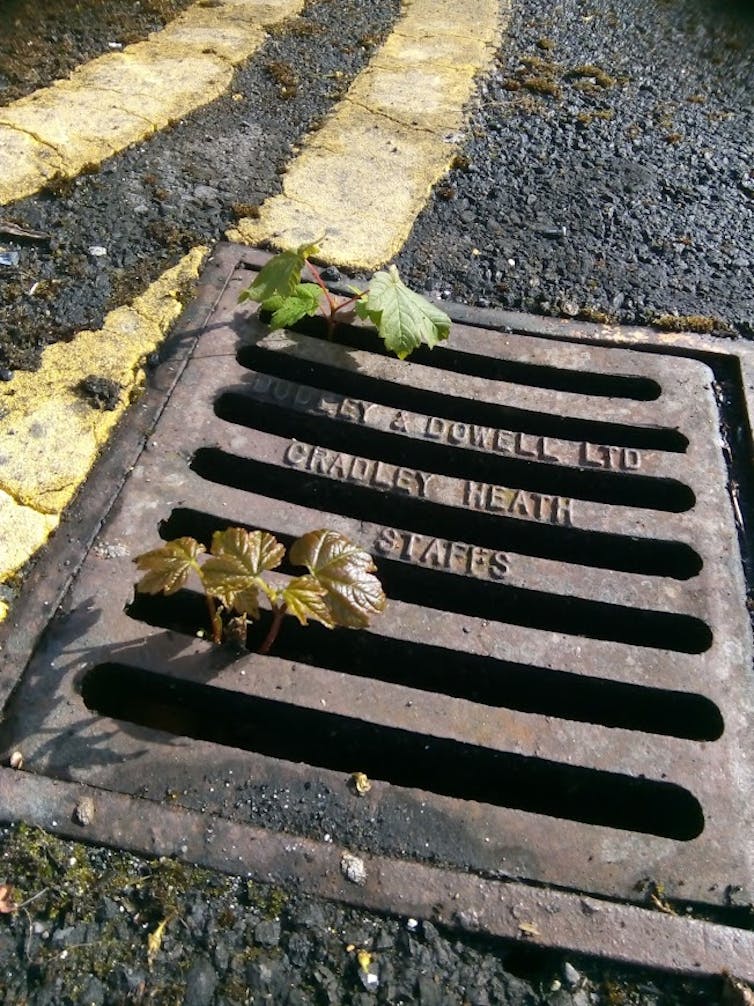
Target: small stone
(570, 308)
(571, 975)
(353, 869)
(9, 257)
(84, 811)
(267, 933)
(201, 981)
(16, 760)
(6, 374)
(97, 251)
(93, 993)
(298, 949)
(330, 274)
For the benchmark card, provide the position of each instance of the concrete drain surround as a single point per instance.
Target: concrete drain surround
(560, 690)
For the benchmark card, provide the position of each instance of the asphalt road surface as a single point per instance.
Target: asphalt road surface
(600, 166)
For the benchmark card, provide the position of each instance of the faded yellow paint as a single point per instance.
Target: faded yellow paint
(363, 178)
(122, 98)
(50, 435)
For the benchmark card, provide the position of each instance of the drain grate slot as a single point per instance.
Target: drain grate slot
(599, 486)
(534, 609)
(534, 375)
(463, 675)
(653, 557)
(560, 687)
(359, 385)
(421, 761)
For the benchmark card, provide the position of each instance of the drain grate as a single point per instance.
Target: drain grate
(560, 690)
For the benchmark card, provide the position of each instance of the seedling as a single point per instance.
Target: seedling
(339, 589)
(403, 319)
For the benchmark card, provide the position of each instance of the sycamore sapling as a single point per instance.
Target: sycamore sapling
(340, 587)
(404, 320)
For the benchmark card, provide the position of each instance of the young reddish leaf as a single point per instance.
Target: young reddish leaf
(354, 594)
(280, 276)
(305, 597)
(403, 318)
(168, 567)
(239, 557)
(7, 901)
(286, 311)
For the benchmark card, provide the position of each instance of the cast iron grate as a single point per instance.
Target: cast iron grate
(561, 688)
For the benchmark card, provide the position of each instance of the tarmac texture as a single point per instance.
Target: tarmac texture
(587, 159)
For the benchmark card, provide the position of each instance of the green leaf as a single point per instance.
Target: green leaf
(403, 318)
(280, 276)
(353, 593)
(233, 573)
(168, 567)
(286, 311)
(305, 598)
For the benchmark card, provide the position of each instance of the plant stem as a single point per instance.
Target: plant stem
(272, 635)
(214, 619)
(332, 307)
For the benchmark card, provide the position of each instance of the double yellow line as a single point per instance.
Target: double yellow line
(361, 180)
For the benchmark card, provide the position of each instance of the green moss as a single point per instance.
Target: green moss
(593, 73)
(596, 315)
(690, 323)
(269, 901)
(542, 85)
(587, 118)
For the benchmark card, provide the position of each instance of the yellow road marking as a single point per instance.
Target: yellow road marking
(363, 178)
(50, 435)
(121, 98)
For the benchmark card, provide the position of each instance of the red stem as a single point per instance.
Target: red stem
(272, 635)
(331, 305)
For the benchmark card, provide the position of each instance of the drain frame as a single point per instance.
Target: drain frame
(42, 592)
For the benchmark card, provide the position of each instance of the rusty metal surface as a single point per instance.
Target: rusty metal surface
(571, 922)
(515, 541)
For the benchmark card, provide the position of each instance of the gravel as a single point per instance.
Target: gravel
(148, 206)
(607, 170)
(606, 173)
(89, 937)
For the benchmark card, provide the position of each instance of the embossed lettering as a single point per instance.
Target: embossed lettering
(382, 477)
(480, 436)
(405, 480)
(361, 469)
(437, 553)
(423, 479)
(562, 511)
(591, 455)
(388, 541)
(435, 428)
(475, 494)
(499, 566)
(519, 502)
(297, 454)
(505, 442)
(398, 423)
(409, 540)
(547, 452)
(458, 433)
(340, 467)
